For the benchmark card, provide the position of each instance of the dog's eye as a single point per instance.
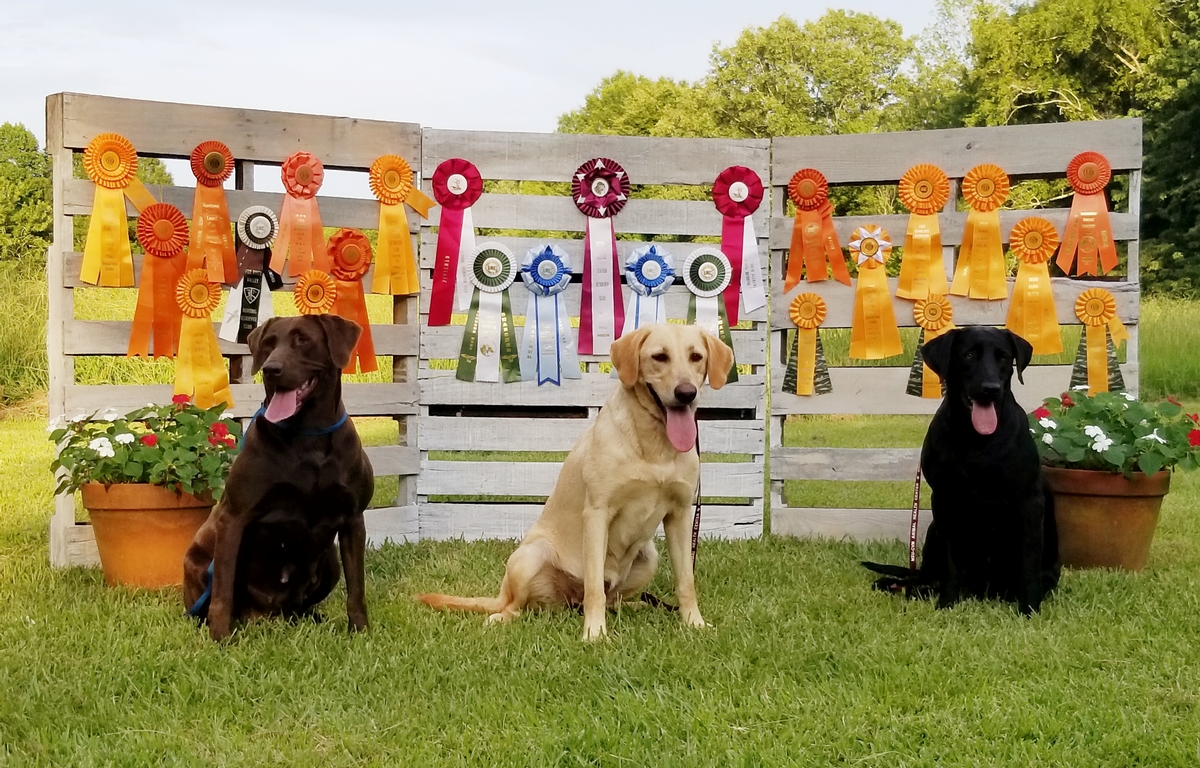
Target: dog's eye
(661, 357)
(300, 341)
(697, 357)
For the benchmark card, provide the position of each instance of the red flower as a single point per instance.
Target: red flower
(1194, 417)
(1042, 413)
(1194, 438)
(1173, 401)
(219, 429)
(214, 440)
(230, 442)
(181, 400)
(150, 440)
(1066, 400)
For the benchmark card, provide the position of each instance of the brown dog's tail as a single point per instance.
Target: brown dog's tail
(453, 603)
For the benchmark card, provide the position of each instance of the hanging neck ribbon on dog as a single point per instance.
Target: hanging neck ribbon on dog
(200, 368)
(807, 372)
(350, 251)
(391, 180)
(163, 233)
(815, 246)
(1088, 238)
(650, 271)
(1032, 314)
(707, 273)
(873, 331)
(457, 185)
(737, 193)
(301, 240)
(600, 189)
(110, 161)
(249, 304)
(548, 351)
(211, 247)
(980, 272)
(935, 317)
(1096, 362)
(924, 190)
(489, 346)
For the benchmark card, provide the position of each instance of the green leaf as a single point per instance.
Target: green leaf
(1150, 463)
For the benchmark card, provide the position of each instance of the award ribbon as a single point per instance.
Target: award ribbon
(548, 351)
(980, 272)
(650, 271)
(935, 316)
(600, 189)
(301, 240)
(249, 304)
(707, 273)
(456, 186)
(815, 244)
(163, 233)
(315, 293)
(924, 190)
(737, 193)
(211, 247)
(392, 184)
(489, 346)
(200, 369)
(1096, 363)
(1032, 314)
(873, 331)
(351, 254)
(1088, 236)
(807, 372)
(110, 161)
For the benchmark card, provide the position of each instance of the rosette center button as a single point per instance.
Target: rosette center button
(599, 187)
(738, 191)
(651, 270)
(547, 270)
(492, 267)
(457, 183)
(708, 272)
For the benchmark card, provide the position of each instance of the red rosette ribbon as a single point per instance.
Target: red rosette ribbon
(737, 193)
(301, 239)
(600, 189)
(1088, 238)
(350, 251)
(211, 247)
(162, 232)
(457, 185)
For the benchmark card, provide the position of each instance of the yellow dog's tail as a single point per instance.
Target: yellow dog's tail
(450, 602)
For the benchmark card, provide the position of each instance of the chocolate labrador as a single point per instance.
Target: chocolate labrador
(300, 479)
(993, 533)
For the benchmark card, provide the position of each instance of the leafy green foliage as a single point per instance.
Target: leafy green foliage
(25, 196)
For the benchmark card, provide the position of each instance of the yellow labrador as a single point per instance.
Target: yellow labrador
(634, 468)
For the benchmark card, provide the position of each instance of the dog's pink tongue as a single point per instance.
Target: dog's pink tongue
(983, 417)
(681, 428)
(282, 406)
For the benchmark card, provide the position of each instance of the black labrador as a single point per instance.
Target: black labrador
(993, 533)
(300, 480)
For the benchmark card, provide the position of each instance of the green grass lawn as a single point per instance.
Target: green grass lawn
(805, 664)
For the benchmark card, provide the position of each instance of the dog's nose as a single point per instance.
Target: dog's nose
(685, 393)
(272, 369)
(992, 391)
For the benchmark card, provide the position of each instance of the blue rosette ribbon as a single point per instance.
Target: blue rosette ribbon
(548, 352)
(650, 271)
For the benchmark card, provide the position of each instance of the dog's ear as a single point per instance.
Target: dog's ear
(720, 360)
(938, 353)
(254, 342)
(341, 335)
(626, 354)
(1022, 353)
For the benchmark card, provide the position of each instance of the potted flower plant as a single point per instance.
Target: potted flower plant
(1108, 460)
(148, 480)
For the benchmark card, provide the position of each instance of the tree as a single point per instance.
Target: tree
(25, 196)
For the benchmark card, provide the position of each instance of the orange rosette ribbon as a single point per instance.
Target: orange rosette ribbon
(935, 316)
(1097, 310)
(392, 184)
(110, 161)
(874, 334)
(200, 369)
(211, 246)
(980, 272)
(315, 293)
(301, 240)
(924, 190)
(163, 233)
(351, 254)
(815, 245)
(1032, 314)
(807, 373)
(1088, 237)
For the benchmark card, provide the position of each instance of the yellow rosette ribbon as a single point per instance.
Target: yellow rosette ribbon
(211, 246)
(924, 190)
(1032, 314)
(110, 161)
(1097, 310)
(935, 316)
(351, 254)
(807, 373)
(1088, 240)
(873, 331)
(315, 293)
(392, 183)
(199, 368)
(163, 234)
(980, 272)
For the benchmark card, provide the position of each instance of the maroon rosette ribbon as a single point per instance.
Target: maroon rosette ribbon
(737, 193)
(457, 185)
(600, 188)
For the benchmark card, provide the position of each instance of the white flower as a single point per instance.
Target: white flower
(1094, 432)
(58, 422)
(1047, 438)
(81, 416)
(1145, 423)
(1048, 423)
(1154, 436)
(102, 446)
(125, 438)
(1102, 444)
(108, 415)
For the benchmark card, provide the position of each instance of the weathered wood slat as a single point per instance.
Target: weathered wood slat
(111, 337)
(537, 478)
(389, 460)
(169, 129)
(844, 463)
(1021, 150)
(396, 525)
(448, 433)
(360, 399)
(473, 522)
(845, 523)
(555, 156)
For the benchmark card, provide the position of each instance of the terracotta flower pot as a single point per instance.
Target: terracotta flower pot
(142, 531)
(1106, 520)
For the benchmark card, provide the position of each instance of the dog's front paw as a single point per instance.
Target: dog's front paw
(593, 632)
(693, 620)
(358, 624)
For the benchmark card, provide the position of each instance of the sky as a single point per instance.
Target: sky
(457, 64)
